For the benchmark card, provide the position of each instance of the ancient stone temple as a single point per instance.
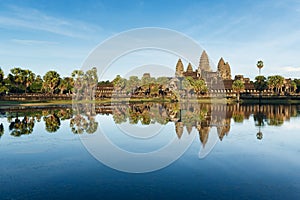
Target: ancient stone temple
(204, 63)
(179, 68)
(224, 70)
(190, 72)
(189, 68)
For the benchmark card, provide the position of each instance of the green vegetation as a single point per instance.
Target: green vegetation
(276, 82)
(260, 83)
(238, 86)
(81, 85)
(20, 81)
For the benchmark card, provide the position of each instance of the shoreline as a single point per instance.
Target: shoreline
(46, 103)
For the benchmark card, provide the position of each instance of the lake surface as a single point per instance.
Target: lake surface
(222, 152)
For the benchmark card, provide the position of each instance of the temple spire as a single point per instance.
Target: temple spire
(179, 68)
(204, 62)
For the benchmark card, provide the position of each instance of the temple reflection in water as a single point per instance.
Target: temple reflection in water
(185, 116)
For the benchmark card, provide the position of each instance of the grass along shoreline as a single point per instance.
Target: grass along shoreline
(31, 103)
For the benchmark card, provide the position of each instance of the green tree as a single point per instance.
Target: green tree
(297, 81)
(132, 84)
(63, 85)
(3, 88)
(51, 81)
(238, 86)
(147, 81)
(260, 65)
(276, 82)
(293, 86)
(37, 84)
(28, 78)
(200, 86)
(187, 84)
(1, 75)
(119, 83)
(16, 79)
(260, 83)
(163, 81)
(91, 81)
(78, 76)
(70, 84)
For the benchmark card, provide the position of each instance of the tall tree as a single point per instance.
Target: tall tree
(1, 75)
(62, 86)
(3, 88)
(162, 80)
(200, 86)
(260, 83)
(37, 84)
(238, 86)
(260, 65)
(91, 81)
(51, 81)
(293, 86)
(16, 78)
(28, 78)
(78, 76)
(276, 82)
(187, 84)
(132, 84)
(119, 83)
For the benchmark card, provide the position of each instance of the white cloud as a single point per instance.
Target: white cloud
(17, 17)
(292, 69)
(33, 42)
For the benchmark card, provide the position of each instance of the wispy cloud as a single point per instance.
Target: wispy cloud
(28, 18)
(292, 69)
(33, 42)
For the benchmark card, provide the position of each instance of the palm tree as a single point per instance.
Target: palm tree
(275, 82)
(28, 77)
(37, 84)
(187, 84)
(91, 81)
(132, 83)
(119, 83)
(293, 86)
(16, 77)
(78, 76)
(3, 88)
(260, 83)
(238, 86)
(1, 75)
(51, 81)
(200, 86)
(271, 82)
(260, 65)
(63, 85)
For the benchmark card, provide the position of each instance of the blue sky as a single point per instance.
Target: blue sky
(58, 35)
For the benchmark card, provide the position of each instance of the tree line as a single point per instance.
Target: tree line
(156, 86)
(25, 81)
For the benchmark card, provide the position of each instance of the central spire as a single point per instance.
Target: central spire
(204, 62)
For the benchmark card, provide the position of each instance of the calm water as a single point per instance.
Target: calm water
(249, 152)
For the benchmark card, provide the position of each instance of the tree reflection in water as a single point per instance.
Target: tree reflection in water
(1, 130)
(187, 116)
(21, 127)
(83, 119)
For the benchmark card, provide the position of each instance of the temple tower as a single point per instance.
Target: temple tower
(179, 68)
(224, 70)
(204, 63)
